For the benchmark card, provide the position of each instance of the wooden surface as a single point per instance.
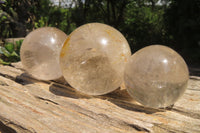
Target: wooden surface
(28, 105)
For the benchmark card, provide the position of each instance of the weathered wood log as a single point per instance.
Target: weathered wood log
(28, 105)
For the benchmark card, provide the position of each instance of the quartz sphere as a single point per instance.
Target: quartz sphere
(93, 58)
(40, 53)
(156, 76)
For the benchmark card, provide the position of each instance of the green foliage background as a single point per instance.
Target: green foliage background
(175, 23)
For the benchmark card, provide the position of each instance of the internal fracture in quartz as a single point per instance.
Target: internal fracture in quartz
(93, 58)
(156, 76)
(40, 52)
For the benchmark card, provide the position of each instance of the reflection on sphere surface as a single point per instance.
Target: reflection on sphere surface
(93, 58)
(40, 53)
(156, 76)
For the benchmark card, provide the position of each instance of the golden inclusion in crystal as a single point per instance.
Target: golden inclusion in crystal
(40, 53)
(156, 76)
(93, 58)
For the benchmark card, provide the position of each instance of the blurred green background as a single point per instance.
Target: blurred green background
(174, 23)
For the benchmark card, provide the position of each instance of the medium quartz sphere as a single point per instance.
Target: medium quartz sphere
(93, 58)
(156, 76)
(40, 53)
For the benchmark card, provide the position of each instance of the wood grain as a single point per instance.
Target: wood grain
(28, 105)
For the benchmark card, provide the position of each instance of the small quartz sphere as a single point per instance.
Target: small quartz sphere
(93, 58)
(156, 76)
(40, 52)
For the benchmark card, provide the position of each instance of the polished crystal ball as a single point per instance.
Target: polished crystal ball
(40, 53)
(156, 76)
(93, 58)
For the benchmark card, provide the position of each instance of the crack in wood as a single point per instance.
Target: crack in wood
(2, 83)
(16, 79)
(7, 126)
(138, 128)
(164, 128)
(193, 89)
(189, 113)
(7, 76)
(44, 99)
(114, 122)
(6, 129)
(19, 128)
(169, 129)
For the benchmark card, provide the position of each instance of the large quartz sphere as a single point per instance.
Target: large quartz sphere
(40, 53)
(93, 58)
(156, 76)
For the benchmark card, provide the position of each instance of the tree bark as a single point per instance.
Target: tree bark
(28, 105)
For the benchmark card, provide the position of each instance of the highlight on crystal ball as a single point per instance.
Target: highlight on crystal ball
(156, 76)
(40, 53)
(93, 58)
